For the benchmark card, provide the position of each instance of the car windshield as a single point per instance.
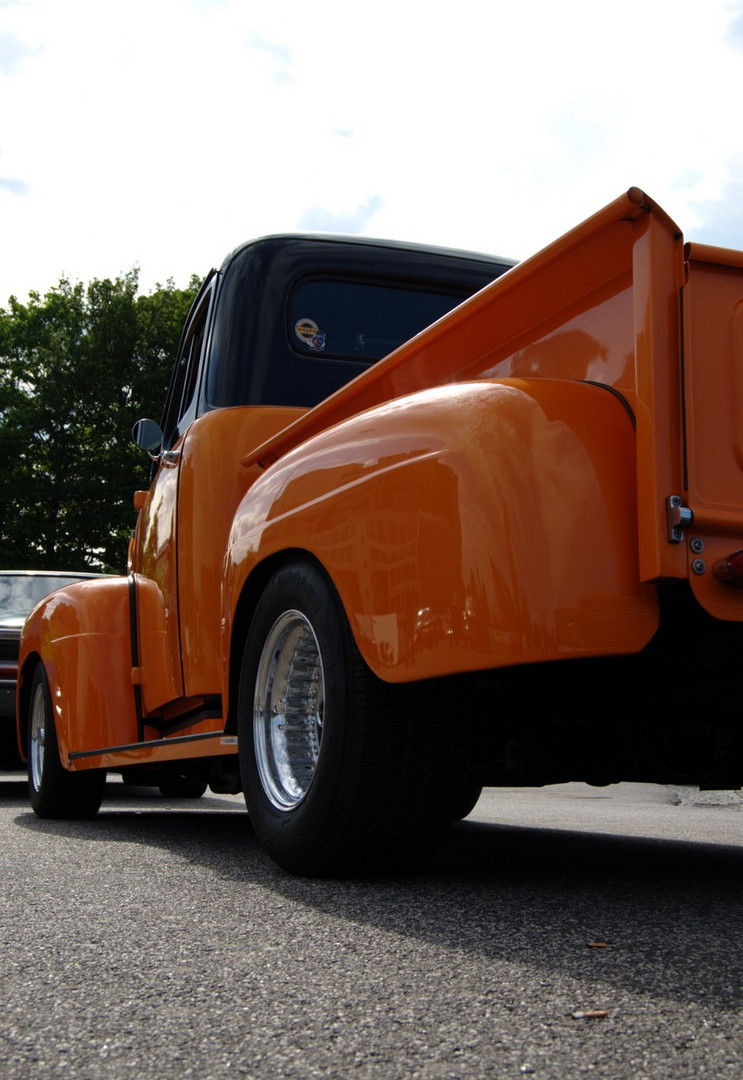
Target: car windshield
(20, 593)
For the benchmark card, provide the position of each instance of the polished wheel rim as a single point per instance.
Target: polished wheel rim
(37, 737)
(288, 710)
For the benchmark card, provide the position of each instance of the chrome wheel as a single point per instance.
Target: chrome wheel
(37, 737)
(288, 710)
(342, 772)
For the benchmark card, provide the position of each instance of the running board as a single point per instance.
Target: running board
(177, 748)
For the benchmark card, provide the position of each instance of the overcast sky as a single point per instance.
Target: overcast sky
(161, 133)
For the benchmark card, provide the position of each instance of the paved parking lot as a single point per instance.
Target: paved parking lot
(561, 932)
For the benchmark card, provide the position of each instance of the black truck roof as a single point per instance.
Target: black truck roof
(363, 297)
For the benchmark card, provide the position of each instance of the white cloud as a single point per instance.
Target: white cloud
(15, 187)
(162, 133)
(354, 222)
(13, 52)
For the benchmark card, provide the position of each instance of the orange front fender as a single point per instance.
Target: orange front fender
(81, 634)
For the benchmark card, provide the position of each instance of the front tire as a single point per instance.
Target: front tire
(342, 773)
(54, 792)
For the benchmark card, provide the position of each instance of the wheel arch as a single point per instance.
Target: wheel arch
(82, 636)
(23, 697)
(244, 610)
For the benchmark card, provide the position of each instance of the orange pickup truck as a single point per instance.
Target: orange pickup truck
(420, 522)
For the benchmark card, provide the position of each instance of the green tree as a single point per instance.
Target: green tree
(77, 367)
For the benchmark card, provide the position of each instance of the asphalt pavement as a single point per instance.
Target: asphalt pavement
(561, 932)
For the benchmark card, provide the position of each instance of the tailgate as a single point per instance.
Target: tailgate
(713, 402)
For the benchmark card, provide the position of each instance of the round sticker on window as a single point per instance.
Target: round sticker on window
(310, 334)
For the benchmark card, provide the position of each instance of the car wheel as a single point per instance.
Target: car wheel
(54, 792)
(342, 773)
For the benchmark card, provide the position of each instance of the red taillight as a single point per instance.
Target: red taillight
(730, 569)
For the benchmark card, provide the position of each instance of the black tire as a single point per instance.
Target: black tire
(54, 792)
(183, 787)
(467, 800)
(359, 779)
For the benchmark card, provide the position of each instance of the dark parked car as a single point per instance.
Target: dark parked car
(20, 592)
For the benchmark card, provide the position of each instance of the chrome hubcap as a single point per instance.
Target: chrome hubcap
(288, 710)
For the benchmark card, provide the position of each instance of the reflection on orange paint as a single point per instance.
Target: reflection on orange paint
(80, 633)
(445, 558)
(713, 310)
(492, 493)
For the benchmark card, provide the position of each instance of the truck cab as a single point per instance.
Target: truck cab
(285, 323)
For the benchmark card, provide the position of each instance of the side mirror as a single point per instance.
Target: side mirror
(148, 437)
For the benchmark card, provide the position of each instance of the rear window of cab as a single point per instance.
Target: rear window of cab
(347, 319)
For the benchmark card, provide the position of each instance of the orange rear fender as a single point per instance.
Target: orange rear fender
(465, 527)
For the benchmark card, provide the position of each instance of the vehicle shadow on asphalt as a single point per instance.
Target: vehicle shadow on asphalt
(659, 917)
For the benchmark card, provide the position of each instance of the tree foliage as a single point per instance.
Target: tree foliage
(77, 367)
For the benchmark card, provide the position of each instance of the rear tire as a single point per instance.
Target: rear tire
(342, 773)
(54, 792)
(467, 800)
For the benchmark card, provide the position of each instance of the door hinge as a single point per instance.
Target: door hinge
(678, 518)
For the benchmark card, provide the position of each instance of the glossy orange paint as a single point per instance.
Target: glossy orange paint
(152, 556)
(602, 303)
(85, 637)
(154, 672)
(212, 483)
(82, 634)
(466, 527)
(193, 498)
(713, 363)
(475, 499)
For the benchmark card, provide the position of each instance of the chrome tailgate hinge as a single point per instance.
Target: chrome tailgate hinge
(678, 518)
